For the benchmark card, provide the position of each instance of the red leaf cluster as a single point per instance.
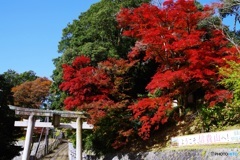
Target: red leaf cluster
(150, 112)
(118, 71)
(84, 84)
(218, 96)
(96, 89)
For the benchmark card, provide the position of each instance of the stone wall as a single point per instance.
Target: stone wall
(198, 154)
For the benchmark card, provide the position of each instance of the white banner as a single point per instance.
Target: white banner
(230, 136)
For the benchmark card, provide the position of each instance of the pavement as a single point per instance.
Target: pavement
(60, 153)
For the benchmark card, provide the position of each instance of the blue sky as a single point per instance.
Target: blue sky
(31, 29)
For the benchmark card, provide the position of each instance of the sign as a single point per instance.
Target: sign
(230, 136)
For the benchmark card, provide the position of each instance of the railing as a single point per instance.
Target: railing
(51, 147)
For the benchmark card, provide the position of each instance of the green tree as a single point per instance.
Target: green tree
(8, 134)
(15, 78)
(231, 8)
(94, 34)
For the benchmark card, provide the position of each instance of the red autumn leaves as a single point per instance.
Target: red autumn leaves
(188, 57)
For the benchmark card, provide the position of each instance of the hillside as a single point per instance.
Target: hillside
(161, 139)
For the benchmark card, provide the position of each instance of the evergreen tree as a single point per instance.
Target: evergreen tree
(9, 133)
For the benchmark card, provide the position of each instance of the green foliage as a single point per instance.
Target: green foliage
(15, 78)
(225, 114)
(87, 140)
(232, 80)
(157, 93)
(199, 5)
(220, 116)
(57, 97)
(8, 134)
(107, 129)
(72, 137)
(95, 34)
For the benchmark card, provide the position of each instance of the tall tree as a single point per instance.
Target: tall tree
(94, 34)
(188, 57)
(8, 134)
(31, 94)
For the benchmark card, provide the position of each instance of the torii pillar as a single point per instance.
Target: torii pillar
(79, 139)
(28, 139)
(50, 113)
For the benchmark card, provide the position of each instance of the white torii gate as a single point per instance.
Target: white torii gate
(31, 123)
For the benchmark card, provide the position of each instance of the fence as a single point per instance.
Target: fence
(85, 155)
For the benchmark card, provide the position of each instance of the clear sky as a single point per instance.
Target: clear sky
(31, 29)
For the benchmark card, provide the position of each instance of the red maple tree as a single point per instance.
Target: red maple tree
(188, 56)
(102, 91)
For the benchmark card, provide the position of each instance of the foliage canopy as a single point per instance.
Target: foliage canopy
(174, 56)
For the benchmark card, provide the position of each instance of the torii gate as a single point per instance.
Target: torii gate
(31, 123)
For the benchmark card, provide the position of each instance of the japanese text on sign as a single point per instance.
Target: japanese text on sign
(230, 136)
